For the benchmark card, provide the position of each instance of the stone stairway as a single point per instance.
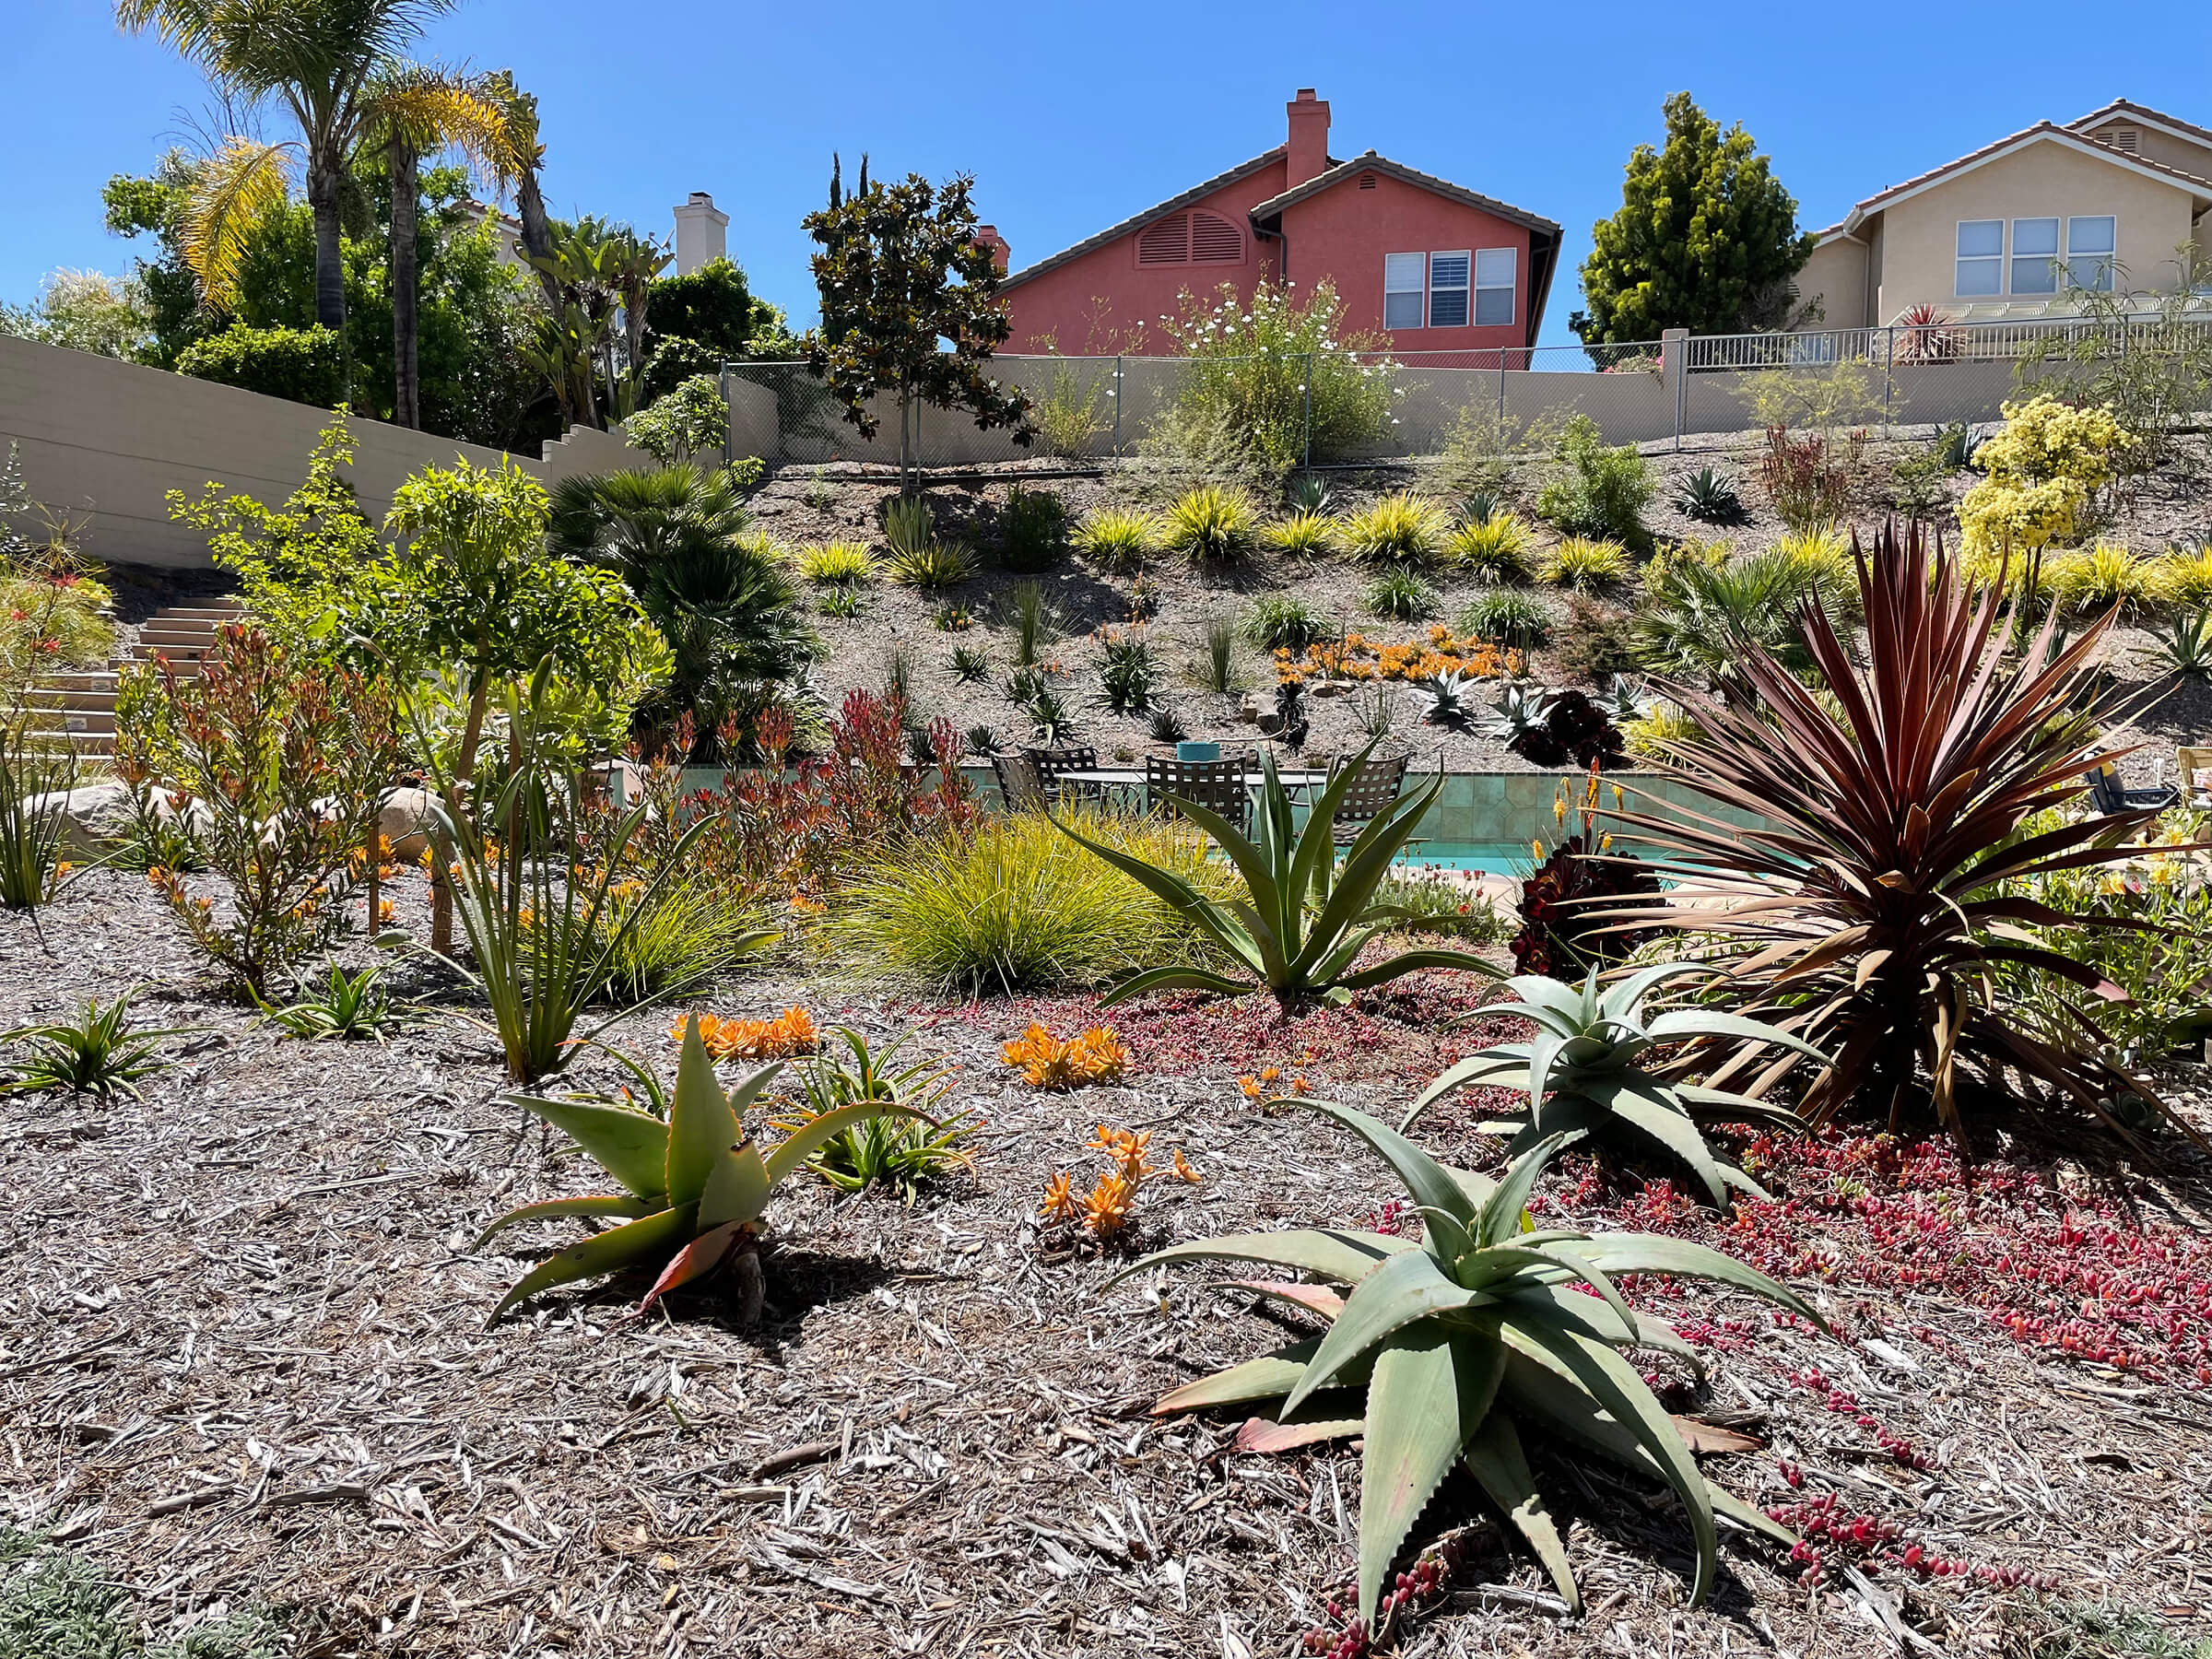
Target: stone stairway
(83, 699)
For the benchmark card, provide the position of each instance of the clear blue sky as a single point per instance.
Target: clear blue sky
(1074, 116)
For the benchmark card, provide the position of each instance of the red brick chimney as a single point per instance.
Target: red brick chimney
(1309, 138)
(988, 236)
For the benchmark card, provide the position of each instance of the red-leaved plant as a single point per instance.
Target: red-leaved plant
(1865, 905)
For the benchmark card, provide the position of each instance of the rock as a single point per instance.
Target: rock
(405, 822)
(96, 815)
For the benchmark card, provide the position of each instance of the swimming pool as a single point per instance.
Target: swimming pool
(1487, 858)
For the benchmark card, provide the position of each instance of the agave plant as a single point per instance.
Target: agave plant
(696, 1187)
(1709, 496)
(2185, 645)
(1875, 885)
(1581, 1074)
(1441, 1352)
(1302, 922)
(1451, 697)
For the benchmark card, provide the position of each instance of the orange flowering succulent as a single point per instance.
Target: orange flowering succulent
(791, 1032)
(1110, 1208)
(1046, 1060)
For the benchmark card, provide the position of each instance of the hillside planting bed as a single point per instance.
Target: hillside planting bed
(244, 1363)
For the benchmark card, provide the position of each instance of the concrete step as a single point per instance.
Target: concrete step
(73, 721)
(218, 610)
(69, 696)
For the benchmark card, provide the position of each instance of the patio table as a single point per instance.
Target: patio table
(1129, 781)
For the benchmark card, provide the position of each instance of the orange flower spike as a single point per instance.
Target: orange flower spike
(1060, 1201)
(1183, 1170)
(1251, 1086)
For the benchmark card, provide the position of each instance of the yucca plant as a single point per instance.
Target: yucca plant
(1440, 1353)
(1166, 725)
(98, 1053)
(1581, 1079)
(835, 563)
(347, 1006)
(1128, 672)
(1302, 536)
(1118, 540)
(1865, 903)
(1709, 496)
(1399, 595)
(1302, 923)
(1208, 524)
(695, 1186)
(1310, 494)
(1403, 527)
(1586, 564)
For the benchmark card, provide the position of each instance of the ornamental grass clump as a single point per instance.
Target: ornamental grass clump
(1440, 1353)
(900, 1153)
(1302, 922)
(1865, 903)
(1119, 541)
(1494, 547)
(1586, 565)
(695, 1185)
(1302, 536)
(1401, 528)
(833, 563)
(1581, 1079)
(1208, 525)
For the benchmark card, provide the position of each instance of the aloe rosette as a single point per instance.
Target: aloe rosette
(1441, 1352)
(695, 1186)
(1581, 1074)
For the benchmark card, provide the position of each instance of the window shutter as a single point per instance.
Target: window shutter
(1165, 241)
(1214, 241)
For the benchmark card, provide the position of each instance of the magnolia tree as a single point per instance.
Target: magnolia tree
(910, 308)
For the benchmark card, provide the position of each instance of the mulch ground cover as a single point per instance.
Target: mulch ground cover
(244, 1363)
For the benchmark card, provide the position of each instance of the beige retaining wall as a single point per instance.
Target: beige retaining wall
(111, 438)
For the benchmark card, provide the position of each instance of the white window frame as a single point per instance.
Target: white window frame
(1463, 289)
(1394, 287)
(2045, 281)
(2107, 258)
(1509, 287)
(1960, 260)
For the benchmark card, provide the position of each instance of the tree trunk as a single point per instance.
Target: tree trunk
(538, 234)
(465, 768)
(330, 259)
(407, 374)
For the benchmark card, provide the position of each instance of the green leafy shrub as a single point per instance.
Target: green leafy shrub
(1699, 614)
(1404, 528)
(1128, 672)
(305, 365)
(1493, 546)
(1208, 525)
(1400, 595)
(1118, 540)
(696, 1186)
(1597, 645)
(1593, 490)
(1302, 922)
(1019, 907)
(1507, 617)
(276, 770)
(1032, 529)
(691, 420)
(1439, 1353)
(1281, 622)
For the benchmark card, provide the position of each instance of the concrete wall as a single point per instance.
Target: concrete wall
(111, 438)
(1836, 275)
(1920, 234)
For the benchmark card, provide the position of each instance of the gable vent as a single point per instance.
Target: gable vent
(1165, 241)
(1214, 241)
(2129, 139)
(1367, 181)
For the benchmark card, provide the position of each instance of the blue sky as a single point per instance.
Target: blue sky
(1074, 116)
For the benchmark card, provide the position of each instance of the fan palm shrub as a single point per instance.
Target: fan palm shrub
(1699, 616)
(1581, 1076)
(1403, 528)
(1440, 1353)
(1866, 904)
(1301, 923)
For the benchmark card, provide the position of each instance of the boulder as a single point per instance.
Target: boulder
(405, 822)
(95, 815)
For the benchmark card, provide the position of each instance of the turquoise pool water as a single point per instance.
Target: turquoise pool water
(1490, 858)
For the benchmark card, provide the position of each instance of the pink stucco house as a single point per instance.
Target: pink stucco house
(1436, 266)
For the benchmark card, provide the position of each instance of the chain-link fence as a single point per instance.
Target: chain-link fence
(1347, 408)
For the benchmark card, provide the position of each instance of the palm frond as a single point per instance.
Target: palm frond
(232, 190)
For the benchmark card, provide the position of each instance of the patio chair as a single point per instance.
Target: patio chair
(1222, 786)
(2109, 795)
(2196, 776)
(1052, 762)
(1020, 784)
(1369, 793)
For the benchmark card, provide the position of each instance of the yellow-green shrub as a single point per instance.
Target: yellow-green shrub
(2184, 577)
(2043, 467)
(1019, 906)
(2096, 578)
(1495, 548)
(837, 561)
(1586, 563)
(1404, 526)
(1307, 535)
(1117, 539)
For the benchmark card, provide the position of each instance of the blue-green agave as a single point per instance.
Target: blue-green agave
(1581, 1075)
(1441, 1352)
(696, 1187)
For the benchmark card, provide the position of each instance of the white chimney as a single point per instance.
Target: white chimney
(701, 233)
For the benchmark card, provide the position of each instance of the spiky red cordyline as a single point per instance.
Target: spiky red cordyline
(1868, 908)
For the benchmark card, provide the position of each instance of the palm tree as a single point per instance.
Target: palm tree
(319, 59)
(517, 167)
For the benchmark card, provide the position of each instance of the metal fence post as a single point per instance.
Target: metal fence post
(1307, 458)
(1501, 393)
(722, 385)
(1116, 395)
(1674, 363)
(1889, 382)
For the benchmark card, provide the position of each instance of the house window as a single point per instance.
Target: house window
(2091, 244)
(1494, 269)
(2035, 257)
(1403, 275)
(1448, 291)
(1980, 258)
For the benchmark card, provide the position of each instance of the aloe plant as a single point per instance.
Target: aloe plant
(695, 1186)
(1441, 1352)
(1581, 1075)
(1302, 922)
